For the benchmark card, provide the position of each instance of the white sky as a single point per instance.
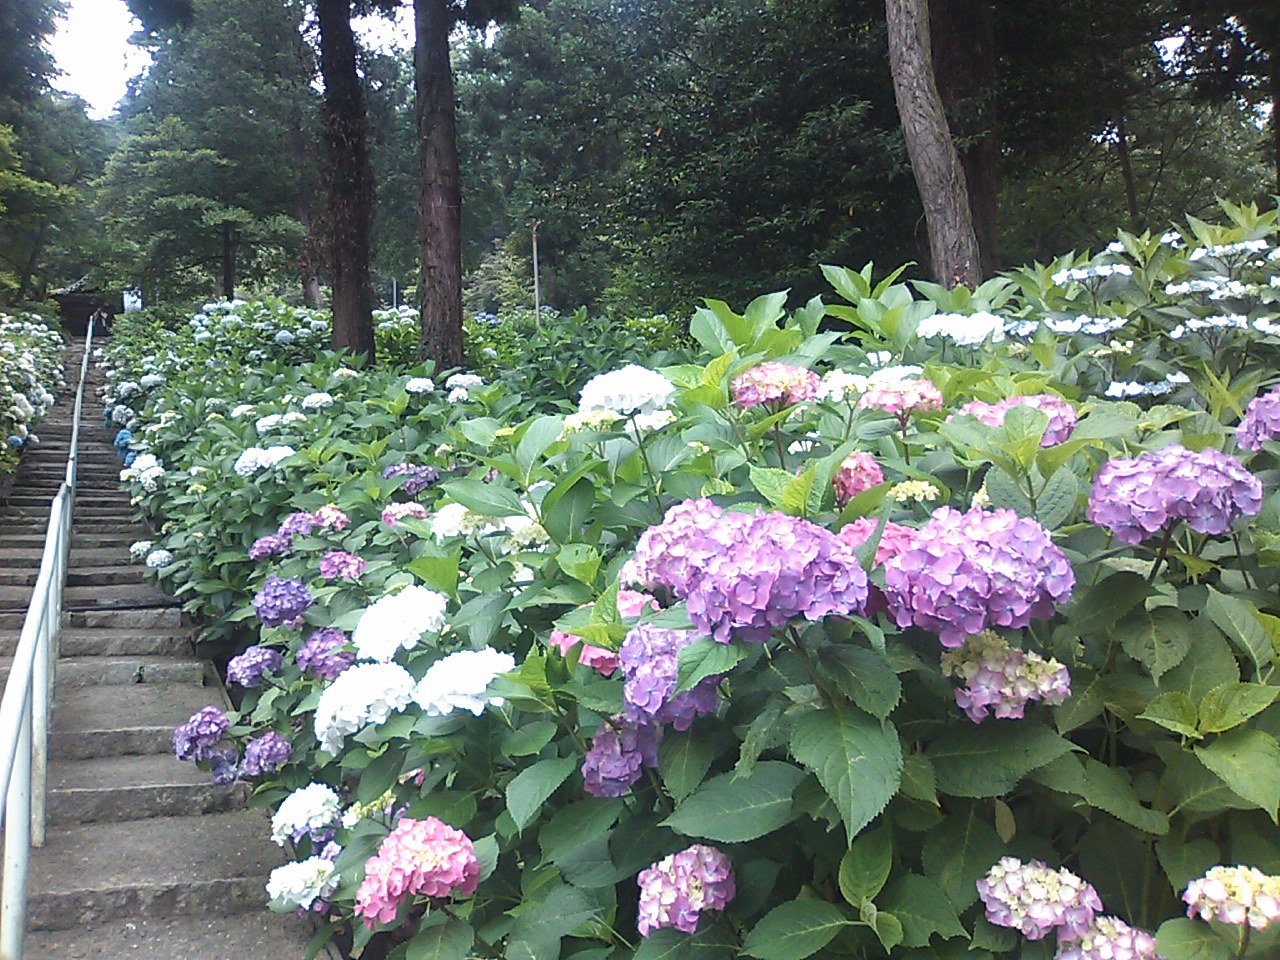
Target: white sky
(93, 52)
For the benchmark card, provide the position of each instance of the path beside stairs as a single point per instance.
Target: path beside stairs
(145, 858)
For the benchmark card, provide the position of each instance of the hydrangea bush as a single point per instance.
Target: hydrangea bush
(850, 652)
(30, 377)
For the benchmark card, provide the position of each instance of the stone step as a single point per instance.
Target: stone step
(106, 642)
(98, 575)
(207, 866)
(144, 617)
(99, 722)
(115, 595)
(120, 671)
(260, 935)
(135, 788)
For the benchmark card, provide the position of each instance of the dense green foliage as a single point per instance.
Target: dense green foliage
(857, 804)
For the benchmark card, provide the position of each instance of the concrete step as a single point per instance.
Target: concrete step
(120, 671)
(116, 595)
(207, 866)
(99, 722)
(260, 935)
(144, 617)
(135, 788)
(106, 642)
(135, 573)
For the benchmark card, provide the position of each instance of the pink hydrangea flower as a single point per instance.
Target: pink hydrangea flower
(1110, 938)
(895, 537)
(425, 858)
(677, 889)
(902, 397)
(331, 518)
(775, 385)
(393, 513)
(630, 603)
(339, 564)
(1236, 895)
(1062, 416)
(1034, 899)
(1001, 680)
(859, 472)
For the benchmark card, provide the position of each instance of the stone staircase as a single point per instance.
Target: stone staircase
(144, 857)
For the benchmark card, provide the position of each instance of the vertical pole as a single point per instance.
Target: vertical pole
(537, 291)
(395, 297)
(41, 683)
(17, 846)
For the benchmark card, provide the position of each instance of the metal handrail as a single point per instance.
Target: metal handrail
(24, 708)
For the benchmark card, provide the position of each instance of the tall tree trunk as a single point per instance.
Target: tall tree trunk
(963, 45)
(939, 177)
(349, 180)
(439, 189)
(1126, 172)
(229, 241)
(33, 261)
(1273, 75)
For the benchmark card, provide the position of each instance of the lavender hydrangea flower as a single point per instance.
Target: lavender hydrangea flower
(648, 662)
(320, 655)
(966, 572)
(299, 524)
(1001, 680)
(1135, 499)
(620, 751)
(1034, 899)
(247, 668)
(677, 889)
(419, 477)
(340, 564)
(281, 600)
(195, 739)
(1109, 938)
(222, 764)
(1261, 421)
(745, 575)
(1235, 895)
(265, 754)
(271, 545)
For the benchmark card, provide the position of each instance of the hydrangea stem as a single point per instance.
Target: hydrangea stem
(648, 467)
(1162, 553)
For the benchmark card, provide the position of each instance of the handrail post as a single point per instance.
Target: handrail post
(17, 845)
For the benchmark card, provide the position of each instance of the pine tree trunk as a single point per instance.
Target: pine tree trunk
(439, 188)
(350, 180)
(963, 45)
(939, 177)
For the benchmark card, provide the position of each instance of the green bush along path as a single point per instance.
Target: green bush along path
(144, 857)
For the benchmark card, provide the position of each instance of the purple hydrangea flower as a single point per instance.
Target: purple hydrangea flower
(1001, 680)
(1261, 421)
(271, 545)
(265, 754)
(1110, 938)
(339, 563)
(1135, 499)
(648, 663)
(281, 600)
(1034, 899)
(619, 753)
(744, 575)
(320, 655)
(967, 572)
(298, 524)
(1061, 414)
(195, 739)
(419, 477)
(674, 891)
(222, 764)
(247, 668)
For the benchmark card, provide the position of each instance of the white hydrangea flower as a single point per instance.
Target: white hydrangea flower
(139, 549)
(345, 373)
(453, 519)
(460, 682)
(150, 380)
(241, 410)
(365, 693)
(307, 810)
(419, 385)
(159, 558)
(966, 330)
(398, 622)
(254, 459)
(1102, 270)
(631, 391)
(317, 401)
(840, 386)
(460, 385)
(268, 423)
(894, 374)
